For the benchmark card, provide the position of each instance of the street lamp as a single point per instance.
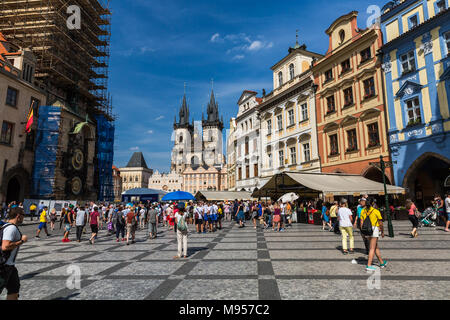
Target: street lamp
(382, 165)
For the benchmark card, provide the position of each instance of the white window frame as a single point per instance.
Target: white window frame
(307, 152)
(293, 152)
(413, 108)
(408, 58)
(281, 157)
(291, 117)
(304, 110)
(269, 155)
(280, 122)
(292, 71)
(269, 126)
(280, 79)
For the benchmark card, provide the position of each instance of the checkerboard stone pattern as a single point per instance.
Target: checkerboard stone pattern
(303, 262)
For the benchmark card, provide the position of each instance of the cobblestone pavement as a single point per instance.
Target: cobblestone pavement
(302, 263)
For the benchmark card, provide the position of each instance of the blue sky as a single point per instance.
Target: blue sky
(156, 46)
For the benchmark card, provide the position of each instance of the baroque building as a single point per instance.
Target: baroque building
(248, 142)
(169, 182)
(351, 122)
(416, 61)
(288, 117)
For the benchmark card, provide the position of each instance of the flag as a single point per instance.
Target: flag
(30, 119)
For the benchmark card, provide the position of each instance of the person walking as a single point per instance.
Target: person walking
(447, 211)
(377, 230)
(33, 210)
(43, 222)
(276, 220)
(182, 232)
(288, 222)
(53, 219)
(11, 240)
(333, 215)
(94, 221)
(412, 215)
(345, 217)
(358, 223)
(325, 216)
(80, 222)
(131, 225)
(152, 222)
(198, 217)
(240, 215)
(68, 221)
(120, 225)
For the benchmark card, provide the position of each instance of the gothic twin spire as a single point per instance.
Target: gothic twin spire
(212, 111)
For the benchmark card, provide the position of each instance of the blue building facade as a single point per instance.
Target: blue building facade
(416, 65)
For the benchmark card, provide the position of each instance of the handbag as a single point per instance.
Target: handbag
(417, 213)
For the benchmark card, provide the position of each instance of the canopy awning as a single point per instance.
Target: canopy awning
(307, 184)
(223, 195)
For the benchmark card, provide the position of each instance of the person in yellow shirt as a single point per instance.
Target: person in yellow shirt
(43, 222)
(377, 227)
(333, 217)
(32, 210)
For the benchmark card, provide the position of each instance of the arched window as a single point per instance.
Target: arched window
(181, 139)
(280, 78)
(291, 71)
(342, 35)
(137, 179)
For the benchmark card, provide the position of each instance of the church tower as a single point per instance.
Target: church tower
(212, 134)
(183, 133)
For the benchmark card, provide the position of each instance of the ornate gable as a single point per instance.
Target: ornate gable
(407, 89)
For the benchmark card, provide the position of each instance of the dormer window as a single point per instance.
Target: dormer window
(291, 71)
(413, 21)
(280, 79)
(440, 5)
(342, 35)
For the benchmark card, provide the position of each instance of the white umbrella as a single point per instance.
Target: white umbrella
(289, 197)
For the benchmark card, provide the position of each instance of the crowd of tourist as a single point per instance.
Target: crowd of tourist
(123, 220)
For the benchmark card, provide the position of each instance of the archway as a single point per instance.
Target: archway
(375, 174)
(426, 177)
(13, 192)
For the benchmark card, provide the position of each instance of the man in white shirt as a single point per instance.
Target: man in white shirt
(206, 213)
(198, 216)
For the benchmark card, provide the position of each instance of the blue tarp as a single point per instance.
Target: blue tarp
(47, 137)
(105, 157)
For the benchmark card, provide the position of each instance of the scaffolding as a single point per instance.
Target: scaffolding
(72, 64)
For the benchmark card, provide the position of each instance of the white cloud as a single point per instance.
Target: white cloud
(238, 57)
(134, 149)
(150, 131)
(255, 45)
(159, 118)
(215, 37)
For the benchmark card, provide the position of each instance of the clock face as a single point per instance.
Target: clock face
(77, 185)
(77, 159)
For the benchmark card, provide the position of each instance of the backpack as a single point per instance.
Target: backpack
(120, 218)
(181, 225)
(4, 255)
(367, 226)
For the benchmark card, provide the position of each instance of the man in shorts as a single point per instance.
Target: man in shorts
(43, 222)
(447, 211)
(12, 239)
(198, 215)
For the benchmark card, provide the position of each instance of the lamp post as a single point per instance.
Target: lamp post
(383, 165)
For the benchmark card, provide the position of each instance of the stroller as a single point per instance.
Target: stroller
(428, 219)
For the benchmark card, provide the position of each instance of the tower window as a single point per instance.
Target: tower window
(280, 78)
(291, 71)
